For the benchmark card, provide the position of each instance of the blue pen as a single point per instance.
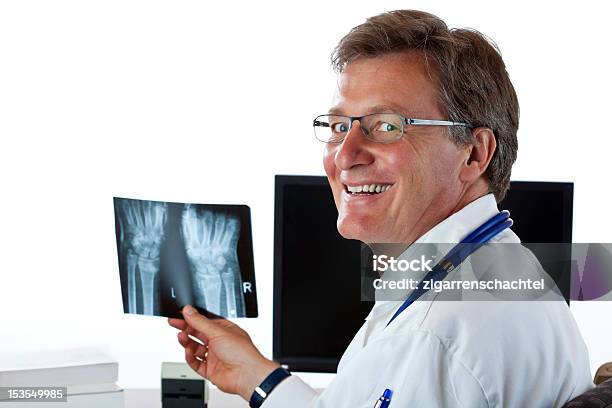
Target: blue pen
(385, 399)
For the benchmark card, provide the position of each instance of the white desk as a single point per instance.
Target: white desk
(151, 398)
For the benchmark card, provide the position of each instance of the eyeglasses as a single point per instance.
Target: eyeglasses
(377, 127)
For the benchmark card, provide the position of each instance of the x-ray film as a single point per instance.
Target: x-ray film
(174, 254)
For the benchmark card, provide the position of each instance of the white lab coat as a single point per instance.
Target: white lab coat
(456, 354)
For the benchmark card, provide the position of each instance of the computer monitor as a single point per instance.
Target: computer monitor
(317, 310)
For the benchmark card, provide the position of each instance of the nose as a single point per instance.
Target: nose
(353, 150)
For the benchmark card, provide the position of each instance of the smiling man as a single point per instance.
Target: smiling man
(419, 146)
(411, 176)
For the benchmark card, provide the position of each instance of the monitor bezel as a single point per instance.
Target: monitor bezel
(303, 364)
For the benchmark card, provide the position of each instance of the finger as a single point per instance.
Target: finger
(200, 351)
(197, 365)
(147, 211)
(198, 348)
(178, 323)
(183, 336)
(206, 222)
(182, 325)
(234, 223)
(197, 336)
(160, 216)
(205, 327)
(219, 229)
(190, 226)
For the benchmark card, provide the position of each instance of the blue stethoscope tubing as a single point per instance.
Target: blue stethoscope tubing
(477, 238)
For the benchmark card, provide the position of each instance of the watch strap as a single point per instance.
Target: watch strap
(265, 388)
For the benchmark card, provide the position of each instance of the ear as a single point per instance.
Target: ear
(478, 154)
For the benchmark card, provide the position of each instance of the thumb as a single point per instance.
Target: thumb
(200, 322)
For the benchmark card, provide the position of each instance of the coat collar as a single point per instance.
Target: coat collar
(449, 231)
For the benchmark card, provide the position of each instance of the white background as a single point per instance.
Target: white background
(197, 101)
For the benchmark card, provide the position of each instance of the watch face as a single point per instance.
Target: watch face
(174, 254)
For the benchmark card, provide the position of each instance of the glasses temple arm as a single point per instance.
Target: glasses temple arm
(433, 122)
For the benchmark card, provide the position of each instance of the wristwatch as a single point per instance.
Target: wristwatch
(265, 388)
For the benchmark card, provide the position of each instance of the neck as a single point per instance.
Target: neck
(435, 215)
(474, 192)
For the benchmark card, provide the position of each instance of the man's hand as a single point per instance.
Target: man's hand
(227, 357)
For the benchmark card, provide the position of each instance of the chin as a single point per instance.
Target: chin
(353, 229)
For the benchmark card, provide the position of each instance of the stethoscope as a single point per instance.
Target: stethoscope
(458, 254)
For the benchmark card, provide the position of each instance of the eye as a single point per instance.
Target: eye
(386, 127)
(339, 127)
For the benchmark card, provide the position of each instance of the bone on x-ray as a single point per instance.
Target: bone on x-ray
(209, 238)
(211, 241)
(142, 230)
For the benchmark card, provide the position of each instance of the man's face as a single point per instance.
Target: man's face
(422, 168)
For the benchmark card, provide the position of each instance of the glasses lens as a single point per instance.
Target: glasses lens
(331, 128)
(384, 127)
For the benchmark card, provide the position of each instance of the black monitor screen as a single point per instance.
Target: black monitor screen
(317, 310)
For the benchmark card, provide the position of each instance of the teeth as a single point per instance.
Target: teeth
(369, 188)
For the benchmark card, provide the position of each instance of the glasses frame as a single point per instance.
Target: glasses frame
(405, 121)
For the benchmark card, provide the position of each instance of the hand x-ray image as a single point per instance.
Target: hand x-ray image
(173, 254)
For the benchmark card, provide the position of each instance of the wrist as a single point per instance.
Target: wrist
(267, 386)
(256, 376)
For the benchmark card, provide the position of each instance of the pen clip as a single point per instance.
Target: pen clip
(385, 399)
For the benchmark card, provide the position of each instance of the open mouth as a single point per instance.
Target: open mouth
(368, 189)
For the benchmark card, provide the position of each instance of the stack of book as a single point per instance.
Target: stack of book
(90, 379)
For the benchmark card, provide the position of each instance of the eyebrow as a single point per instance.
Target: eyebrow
(390, 108)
